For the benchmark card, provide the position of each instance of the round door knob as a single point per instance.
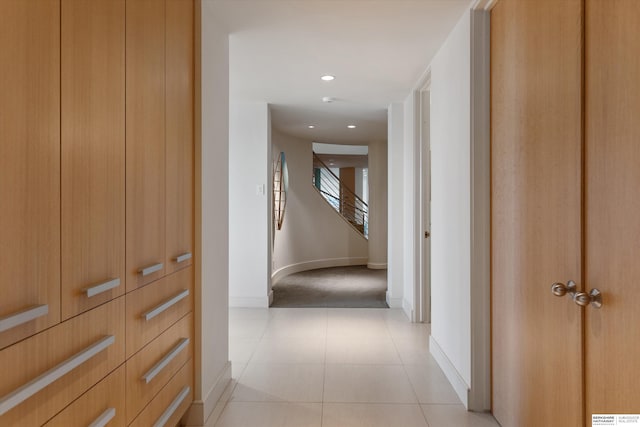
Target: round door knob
(594, 298)
(560, 289)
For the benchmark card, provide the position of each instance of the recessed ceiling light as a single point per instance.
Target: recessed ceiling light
(311, 126)
(351, 126)
(327, 78)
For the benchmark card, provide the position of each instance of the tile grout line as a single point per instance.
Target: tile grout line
(424, 415)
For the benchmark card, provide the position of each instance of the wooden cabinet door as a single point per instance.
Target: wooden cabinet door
(145, 142)
(612, 114)
(536, 156)
(179, 128)
(29, 167)
(92, 121)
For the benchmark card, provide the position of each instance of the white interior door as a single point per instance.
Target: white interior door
(425, 194)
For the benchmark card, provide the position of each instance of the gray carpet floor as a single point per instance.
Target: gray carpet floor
(351, 287)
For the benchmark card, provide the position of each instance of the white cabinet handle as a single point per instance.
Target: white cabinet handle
(151, 374)
(21, 394)
(151, 269)
(24, 316)
(172, 407)
(165, 305)
(102, 287)
(183, 257)
(104, 418)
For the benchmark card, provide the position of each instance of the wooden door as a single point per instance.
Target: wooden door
(145, 142)
(29, 167)
(536, 155)
(179, 128)
(612, 333)
(92, 121)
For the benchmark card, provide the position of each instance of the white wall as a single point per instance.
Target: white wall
(395, 217)
(451, 207)
(377, 177)
(250, 198)
(313, 234)
(212, 366)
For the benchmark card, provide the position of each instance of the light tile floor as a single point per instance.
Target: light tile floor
(338, 367)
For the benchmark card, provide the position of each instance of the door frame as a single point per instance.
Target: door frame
(479, 397)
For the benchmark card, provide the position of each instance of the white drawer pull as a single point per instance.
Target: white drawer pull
(104, 418)
(183, 257)
(165, 305)
(151, 374)
(21, 394)
(102, 287)
(151, 269)
(172, 407)
(24, 316)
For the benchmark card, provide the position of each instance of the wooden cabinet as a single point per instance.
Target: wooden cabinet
(171, 402)
(179, 134)
(153, 366)
(29, 167)
(565, 196)
(60, 364)
(93, 149)
(145, 142)
(97, 190)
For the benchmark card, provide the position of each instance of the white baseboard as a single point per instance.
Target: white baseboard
(408, 309)
(377, 265)
(201, 410)
(457, 382)
(249, 302)
(318, 263)
(393, 302)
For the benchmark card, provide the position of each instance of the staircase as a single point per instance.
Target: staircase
(342, 198)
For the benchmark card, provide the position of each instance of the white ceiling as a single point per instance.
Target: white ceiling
(376, 49)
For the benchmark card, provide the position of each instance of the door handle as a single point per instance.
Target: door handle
(427, 234)
(594, 297)
(560, 289)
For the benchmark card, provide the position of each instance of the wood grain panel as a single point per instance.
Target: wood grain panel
(536, 144)
(159, 404)
(108, 393)
(93, 211)
(139, 392)
(29, 162)
(145, 139)
(612, 205)
(179, 128)
(141, 331)
(29, 358)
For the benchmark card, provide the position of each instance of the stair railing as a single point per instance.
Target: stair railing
(347, 203)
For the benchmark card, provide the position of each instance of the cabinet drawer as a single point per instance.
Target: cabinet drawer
(103, 404)
(155, 307)
(171, 403)
(150, 369)
(43, 374)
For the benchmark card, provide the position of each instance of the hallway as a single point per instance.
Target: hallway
(336, 368)
(353, 286)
